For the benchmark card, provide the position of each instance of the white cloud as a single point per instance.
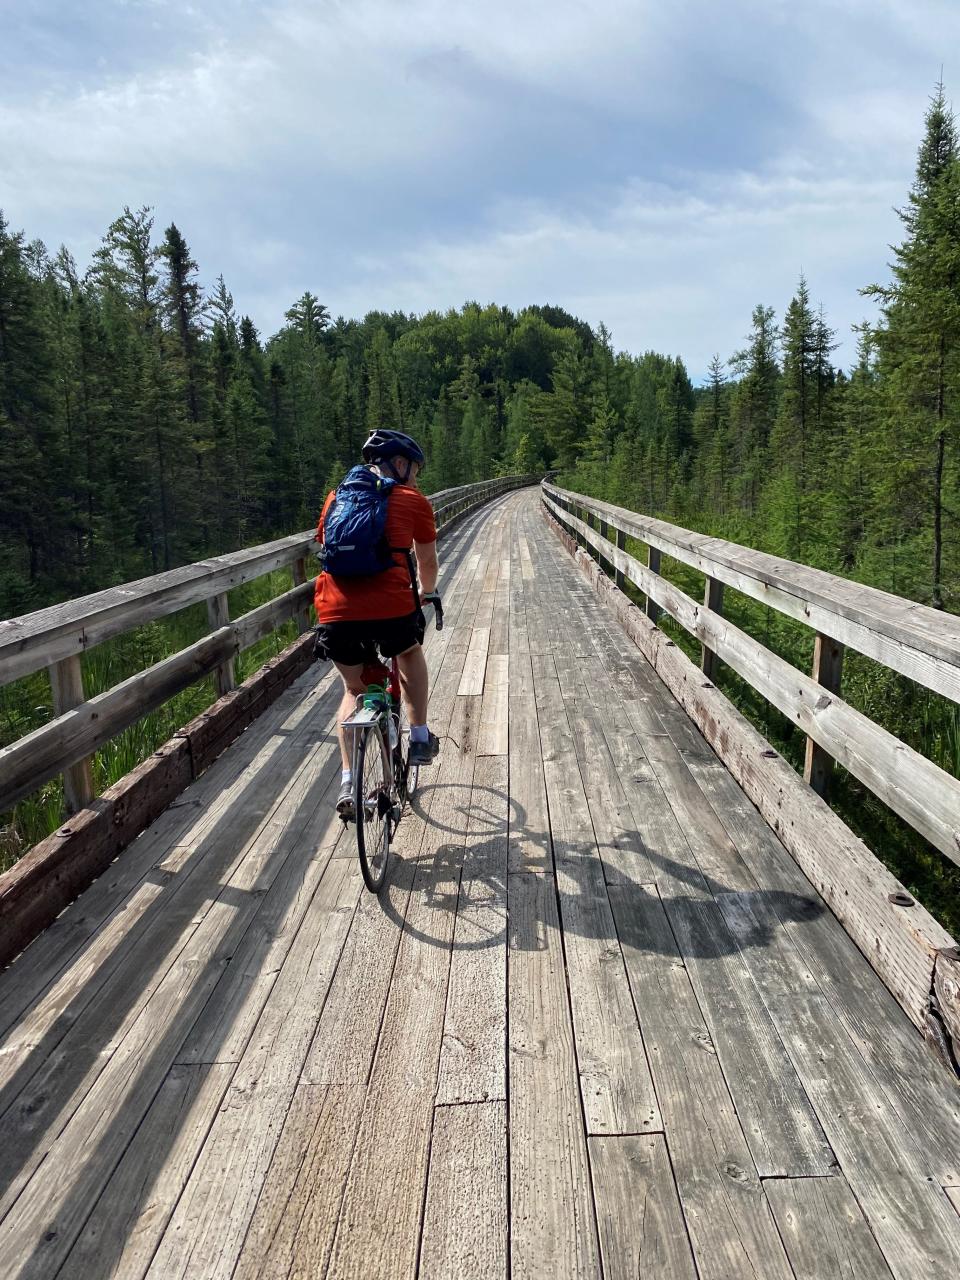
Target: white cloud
(658, 167)
(676, 271)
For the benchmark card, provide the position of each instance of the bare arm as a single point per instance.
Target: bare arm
(427, 565)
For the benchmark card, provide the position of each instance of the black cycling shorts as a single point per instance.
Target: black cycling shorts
(353, 644)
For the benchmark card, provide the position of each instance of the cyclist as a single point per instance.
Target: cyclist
(356, 613)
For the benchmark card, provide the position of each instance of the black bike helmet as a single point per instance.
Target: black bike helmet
(384, 445)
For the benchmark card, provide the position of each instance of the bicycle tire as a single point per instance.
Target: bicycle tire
(374, 808)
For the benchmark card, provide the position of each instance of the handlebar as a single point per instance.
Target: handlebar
(437, 609)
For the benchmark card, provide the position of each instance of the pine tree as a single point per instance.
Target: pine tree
(753, 405)
(29, 448)
(919, 340)
(308, 317)
(383, 402)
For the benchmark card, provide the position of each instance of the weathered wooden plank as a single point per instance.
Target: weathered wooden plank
(471, 681)
(218, 615)
(908, 637)
(299, 1202)
(732, 1230)
(465, 1217)
(48, 635)
(207, 1229)
(293, 1227)
(908, 1212)
(715, 853)
(378, 1227)
(156, 921)
(529, 836)
(473, 1053)
(77, 733)
(827, 671)
(784, 1135)
(615, 1081)
(619, 840)
(66, 684)
(553, 1229)
(824, 1231)
(120, 1236)
(642, 1232)
(493, 715)
(712, 599)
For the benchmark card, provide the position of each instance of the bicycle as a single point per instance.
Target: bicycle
(384, 779)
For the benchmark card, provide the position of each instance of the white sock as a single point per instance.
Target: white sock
(419, 733)
(346, 775)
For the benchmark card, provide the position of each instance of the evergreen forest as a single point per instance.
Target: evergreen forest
(145, 423)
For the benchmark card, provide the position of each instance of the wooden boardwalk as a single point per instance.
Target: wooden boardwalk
(599, 1024)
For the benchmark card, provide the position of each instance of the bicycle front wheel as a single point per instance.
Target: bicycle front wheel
(374, 806)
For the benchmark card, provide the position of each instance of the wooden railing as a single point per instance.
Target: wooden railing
(914, 955)
(917, 641)
(57, 638)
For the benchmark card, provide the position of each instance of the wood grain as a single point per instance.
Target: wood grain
(642, 1231)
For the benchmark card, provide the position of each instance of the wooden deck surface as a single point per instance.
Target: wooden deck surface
(599, 1023)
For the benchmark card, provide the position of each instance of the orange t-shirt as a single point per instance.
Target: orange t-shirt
(388, 594)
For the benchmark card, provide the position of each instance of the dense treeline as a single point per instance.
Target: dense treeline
(144, 423)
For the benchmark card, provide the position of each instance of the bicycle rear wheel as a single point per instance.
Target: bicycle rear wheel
(374, 806)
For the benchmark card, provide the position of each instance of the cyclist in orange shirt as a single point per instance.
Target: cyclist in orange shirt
(357, 613)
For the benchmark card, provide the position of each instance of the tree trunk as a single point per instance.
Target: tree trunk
(938, 520)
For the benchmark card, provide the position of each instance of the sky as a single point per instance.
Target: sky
(661, 168)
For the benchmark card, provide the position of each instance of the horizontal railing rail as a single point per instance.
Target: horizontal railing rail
(919, 642)
(57, 637)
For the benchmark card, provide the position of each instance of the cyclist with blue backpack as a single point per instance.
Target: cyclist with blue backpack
(371, 531)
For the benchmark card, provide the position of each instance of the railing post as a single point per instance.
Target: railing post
(621, 577)
(827, 670)
(218, 614)
(66, 682)
(605, 534)
(299, 578)
(653, 564)
(712, 600)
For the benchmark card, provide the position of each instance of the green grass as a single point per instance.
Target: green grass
(27, 704)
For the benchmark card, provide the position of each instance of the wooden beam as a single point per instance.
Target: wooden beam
(605, 534)
(299, 579)
(66, 682)
(218, 615)
(712, 599)
(619, 579)
(827, 671)
(653, 564)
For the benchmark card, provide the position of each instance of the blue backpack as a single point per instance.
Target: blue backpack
(354, 529)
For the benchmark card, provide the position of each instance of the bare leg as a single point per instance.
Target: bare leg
(415, 683)
(352, 685)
